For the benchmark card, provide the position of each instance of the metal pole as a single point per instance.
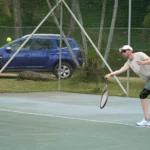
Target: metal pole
(60, 62)
(92, 43)
(129, 41)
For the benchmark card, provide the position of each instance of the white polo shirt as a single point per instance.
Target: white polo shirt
(141, 70)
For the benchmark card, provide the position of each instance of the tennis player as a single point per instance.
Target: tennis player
(139, 62)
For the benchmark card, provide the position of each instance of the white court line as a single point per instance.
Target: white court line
(63, 117)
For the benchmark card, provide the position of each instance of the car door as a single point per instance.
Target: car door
(21, 60)
(40, 52)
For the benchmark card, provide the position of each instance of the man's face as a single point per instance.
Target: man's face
(126, 53)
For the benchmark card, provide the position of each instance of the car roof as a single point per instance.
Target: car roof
(56, 36)
(43, 35)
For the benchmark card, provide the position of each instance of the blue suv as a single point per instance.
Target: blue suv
(41, 53)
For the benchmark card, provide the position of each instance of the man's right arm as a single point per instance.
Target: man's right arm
(121, 70)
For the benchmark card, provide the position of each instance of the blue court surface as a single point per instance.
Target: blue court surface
(70, 121)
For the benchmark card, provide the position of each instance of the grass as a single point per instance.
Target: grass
(135, 87)
(14, 85)
(78, 83)
(69, 85)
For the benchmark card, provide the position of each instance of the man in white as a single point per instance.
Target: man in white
(139, 62)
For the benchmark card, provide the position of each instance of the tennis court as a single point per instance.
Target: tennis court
(70, 121)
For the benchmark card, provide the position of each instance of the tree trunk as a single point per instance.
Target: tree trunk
(85, 48)
(17, 18)
(72, 22)
(101, 25)
(111, 32)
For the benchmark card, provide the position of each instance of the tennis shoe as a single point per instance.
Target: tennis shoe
(148, 124)
(143, 123)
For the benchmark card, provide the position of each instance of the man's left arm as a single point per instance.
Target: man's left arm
(144, 62)
(145, 59)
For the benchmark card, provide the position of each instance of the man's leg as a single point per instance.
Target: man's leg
(144, 103)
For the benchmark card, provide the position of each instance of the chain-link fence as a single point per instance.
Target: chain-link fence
(139, 36)
(93, 67)
(139, 40)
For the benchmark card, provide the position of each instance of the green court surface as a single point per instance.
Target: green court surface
(70, 121)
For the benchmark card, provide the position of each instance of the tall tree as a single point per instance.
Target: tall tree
(101, 24)
(72, 22)
(85, 47)
(17, 18)
(111, 32)
(4, 5)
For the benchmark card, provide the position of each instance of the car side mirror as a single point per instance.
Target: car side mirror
(8, 49)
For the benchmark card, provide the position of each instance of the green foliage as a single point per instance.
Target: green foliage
(32, 12)
(90, 3)
(90, 74)
(4, 5)
(94, 61)
(147, 18)
(13, 85)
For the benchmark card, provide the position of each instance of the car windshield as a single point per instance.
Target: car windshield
(8, 44)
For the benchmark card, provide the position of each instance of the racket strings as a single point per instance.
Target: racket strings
(104, 99)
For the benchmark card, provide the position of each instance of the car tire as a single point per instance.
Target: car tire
(66, 70)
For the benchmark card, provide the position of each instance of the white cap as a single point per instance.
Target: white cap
(125, 47)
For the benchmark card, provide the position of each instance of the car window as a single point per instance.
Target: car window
(15, 46)
(33, 44)
(63, 43)
(71, 43)
(38, 44)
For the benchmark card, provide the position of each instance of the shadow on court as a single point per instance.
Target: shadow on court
(69, 121)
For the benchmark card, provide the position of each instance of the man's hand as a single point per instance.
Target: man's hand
(140, 62)
(108, 76)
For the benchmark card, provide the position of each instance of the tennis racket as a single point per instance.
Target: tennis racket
(104, 96)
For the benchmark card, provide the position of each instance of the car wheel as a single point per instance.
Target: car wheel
(66, 70)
